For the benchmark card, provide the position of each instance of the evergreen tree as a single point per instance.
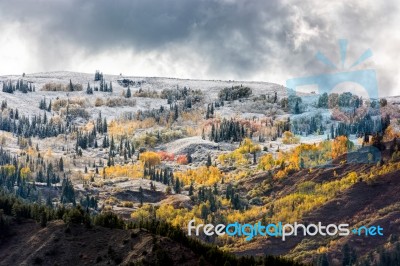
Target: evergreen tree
(71, 86)
(177, 186)
(191, 189)
(128, 93)
(208, 163)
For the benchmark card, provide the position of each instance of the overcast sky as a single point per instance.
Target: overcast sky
(227, 39)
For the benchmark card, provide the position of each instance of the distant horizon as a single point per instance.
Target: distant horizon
(205, 40)
(177, 78)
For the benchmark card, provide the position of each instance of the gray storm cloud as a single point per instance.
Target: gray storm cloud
(252, 40)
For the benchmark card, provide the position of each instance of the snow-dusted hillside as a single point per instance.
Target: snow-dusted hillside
(28, 103)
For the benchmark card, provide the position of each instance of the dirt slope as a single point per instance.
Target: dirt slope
(57, 244)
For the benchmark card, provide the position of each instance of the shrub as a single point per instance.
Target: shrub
(72, 102)
(127, 204)
(165, 156)
(115, 102)
(98, 102)
(76, 112)
(109, 220)
(52, 86)
(182, 159)
(289, 138)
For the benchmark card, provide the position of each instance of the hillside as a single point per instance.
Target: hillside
(31, 244)
(173, 150)
(367, 202)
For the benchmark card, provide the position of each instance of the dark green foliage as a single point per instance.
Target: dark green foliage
(188, 95)
(34, 126)
(322, 260)
(323, 100)
(109, 220)
(98, 76)
(128, 93)
(20, 85)
(4, 224)
(349, 256)
(68, 192)
(234, 93)
(208, 163)
(228, 130)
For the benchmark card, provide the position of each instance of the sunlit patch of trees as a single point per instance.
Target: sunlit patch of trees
(150, 159)
(202, 175)
(127, 170)
(291, 208)
(120, 128)
(289, 138)
(245, 154)
(305, 156)
(341, 145)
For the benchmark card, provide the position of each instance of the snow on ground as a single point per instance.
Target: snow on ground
(189, 145)
(28, 103)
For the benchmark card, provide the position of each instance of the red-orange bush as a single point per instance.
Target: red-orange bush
(165, 156)
(182, 159)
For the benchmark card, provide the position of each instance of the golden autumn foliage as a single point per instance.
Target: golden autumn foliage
(390, 134)
(231, 158)
(340, 146)
(128, 170)
(150, 158)
(289, 138)
(120, 128)
(177, 217)
(266, 162)
(181, 216)
(291, 208)
(8, 169)
(240, 156)
(305, 156)
(247, 146)
(203, 175)
(142, 213)
(25, 172)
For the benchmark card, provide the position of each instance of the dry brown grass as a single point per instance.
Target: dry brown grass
(73, 102)
(115, 102)
(52, 86)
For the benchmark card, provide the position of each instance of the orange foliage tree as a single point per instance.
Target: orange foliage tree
(165, 156)
(182, 159)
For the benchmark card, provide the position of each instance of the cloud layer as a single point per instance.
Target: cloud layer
(251, 40)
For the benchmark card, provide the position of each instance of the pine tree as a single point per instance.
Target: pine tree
(191, 189)
(177, 186)
(176, 113)
(209, 163)
(128, 93)
(141, 195)
(71, 86)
